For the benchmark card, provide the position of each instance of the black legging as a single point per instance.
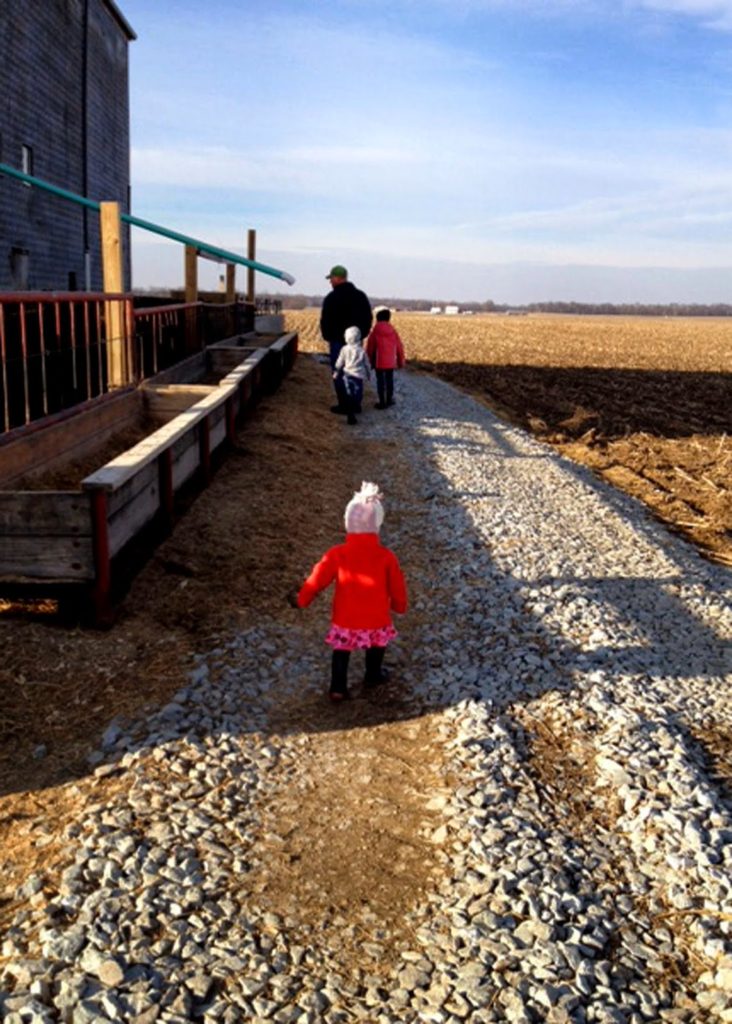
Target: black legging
(385, 386)
(339, 668)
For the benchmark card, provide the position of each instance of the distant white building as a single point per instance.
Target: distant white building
(452, 310)
(436, 309)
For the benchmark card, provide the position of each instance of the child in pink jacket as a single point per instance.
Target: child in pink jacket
(386, 353)
(369, 586)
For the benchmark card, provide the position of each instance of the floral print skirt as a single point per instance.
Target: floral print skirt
(342, 639)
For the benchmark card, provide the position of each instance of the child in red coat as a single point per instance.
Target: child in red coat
(386, 353)
(369, 586)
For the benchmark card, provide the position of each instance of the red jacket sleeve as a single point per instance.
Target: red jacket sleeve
(397, 587)
(371, 347)
(401, 359)
(321, 576)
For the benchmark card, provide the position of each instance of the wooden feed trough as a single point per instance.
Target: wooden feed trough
(60, 535)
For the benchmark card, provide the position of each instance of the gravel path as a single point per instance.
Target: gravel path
(562, 716)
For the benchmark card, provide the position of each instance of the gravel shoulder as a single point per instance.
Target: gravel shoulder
(531, 822)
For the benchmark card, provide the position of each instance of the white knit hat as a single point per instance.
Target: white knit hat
(364, 512)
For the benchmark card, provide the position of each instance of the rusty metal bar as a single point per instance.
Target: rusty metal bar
(57, 321)
(24, 351)
(42, 343)
(3, 357)
(60, 377)
(11, 297)
(87, 351)
(98, 318)
(74, 359)
(128, 317)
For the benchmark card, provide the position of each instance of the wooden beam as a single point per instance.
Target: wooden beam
(53, 444)
(230, 282)
(118, 372)
(191, 290)
(191, 270)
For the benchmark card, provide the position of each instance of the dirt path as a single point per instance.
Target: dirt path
(274, 505)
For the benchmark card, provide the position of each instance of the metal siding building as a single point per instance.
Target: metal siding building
(64, 117)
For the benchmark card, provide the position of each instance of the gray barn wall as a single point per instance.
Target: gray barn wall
(42, 105)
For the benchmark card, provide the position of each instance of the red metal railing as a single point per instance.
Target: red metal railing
(53, 351)
(53, 346)
(164, 335)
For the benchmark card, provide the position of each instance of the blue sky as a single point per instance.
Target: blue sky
(450, 149)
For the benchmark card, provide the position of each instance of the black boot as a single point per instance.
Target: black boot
(375, 673)
(339, 676)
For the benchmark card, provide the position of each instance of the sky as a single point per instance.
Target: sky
(456, 150)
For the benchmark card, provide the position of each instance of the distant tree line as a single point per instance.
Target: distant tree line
(290, 301)
(632, 308)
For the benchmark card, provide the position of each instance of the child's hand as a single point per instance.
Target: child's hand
(335, 375)
(292, 598)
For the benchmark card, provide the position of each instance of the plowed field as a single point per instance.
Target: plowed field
(645, 402)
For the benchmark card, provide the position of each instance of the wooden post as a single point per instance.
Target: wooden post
(230, 282)
(191, 295)
(165, 472)
(230, 421)
(251, 255)
(101, 593)
(204, 441)
(109, 223)
(191, 274)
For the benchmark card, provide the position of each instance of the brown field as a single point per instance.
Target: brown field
(645, 402)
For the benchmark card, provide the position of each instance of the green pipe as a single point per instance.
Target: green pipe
(213, 250)
(146, 225)
(64, 193)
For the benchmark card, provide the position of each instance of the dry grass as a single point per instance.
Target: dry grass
(602, 342)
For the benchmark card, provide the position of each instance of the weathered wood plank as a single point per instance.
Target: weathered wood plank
(146, 477)
(165, 402)
(49, 446)
(120, 470)
(130, 519)
(55, 558)
(44, 514)
(186, 461)
(117, 472)
(282, 343)
(189, 371)
(218, 433)
(245, 369)
(226, 360)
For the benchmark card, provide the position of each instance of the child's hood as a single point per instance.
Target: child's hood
(352, 336)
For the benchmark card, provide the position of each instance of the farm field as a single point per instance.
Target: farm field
(644, 402)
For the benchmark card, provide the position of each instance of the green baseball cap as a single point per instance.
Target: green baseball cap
(337, 271)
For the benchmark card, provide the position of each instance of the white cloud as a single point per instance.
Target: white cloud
(715, 14)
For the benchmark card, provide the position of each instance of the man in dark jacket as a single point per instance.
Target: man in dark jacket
(345, 306)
